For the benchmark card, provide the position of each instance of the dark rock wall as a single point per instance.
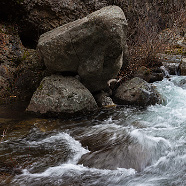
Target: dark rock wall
(35, 17)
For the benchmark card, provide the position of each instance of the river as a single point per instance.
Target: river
(122, 146)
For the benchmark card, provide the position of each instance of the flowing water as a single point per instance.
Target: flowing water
(116, 146)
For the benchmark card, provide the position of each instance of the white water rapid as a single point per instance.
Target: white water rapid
(141, 147)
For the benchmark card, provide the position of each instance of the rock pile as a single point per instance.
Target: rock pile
(93, 49)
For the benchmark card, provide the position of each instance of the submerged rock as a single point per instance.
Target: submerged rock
(61, 95)
(93, 47)
(136, 92)
(113, 147)
(181, 82)
(170, 62)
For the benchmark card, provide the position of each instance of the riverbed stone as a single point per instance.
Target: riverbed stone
(148, 74)
(182, 67)
(57, 94)
(171, 62)
(136, 92)
(104, 100)
(93, 47)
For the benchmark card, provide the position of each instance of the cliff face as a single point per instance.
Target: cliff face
(35, 17)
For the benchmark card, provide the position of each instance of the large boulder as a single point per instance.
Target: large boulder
(61, 95)
(94, 47)
(136, 92)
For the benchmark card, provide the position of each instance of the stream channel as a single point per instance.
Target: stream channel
(115, 146)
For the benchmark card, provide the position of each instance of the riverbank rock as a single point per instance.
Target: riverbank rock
(136, 92)
(104, 100)
(182, 67)
(93, 47)
(170, 62)
(148, 74)
(61, 95)
(20, 68)
(4, 86)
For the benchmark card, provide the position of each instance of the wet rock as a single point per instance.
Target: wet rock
(113, 148)
(136, 92)
(94, 47)
(181, 82)
(61, 95)
(182, 67)
(148, 74)
(103, 100)
(9, 168)
(170, 62)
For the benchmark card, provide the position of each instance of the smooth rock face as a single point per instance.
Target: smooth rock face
(94, 47)
(136, 92)
(58, 94)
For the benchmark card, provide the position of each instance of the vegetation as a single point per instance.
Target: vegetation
(146, 20)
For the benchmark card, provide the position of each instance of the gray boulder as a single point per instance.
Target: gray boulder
(57, 94)
(94, 47)
(136, 92)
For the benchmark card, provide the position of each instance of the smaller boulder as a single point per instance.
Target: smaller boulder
(182, 67)
(61, 95)
(103, 100)
(170, 62)
(136, 92)
(148, 75)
